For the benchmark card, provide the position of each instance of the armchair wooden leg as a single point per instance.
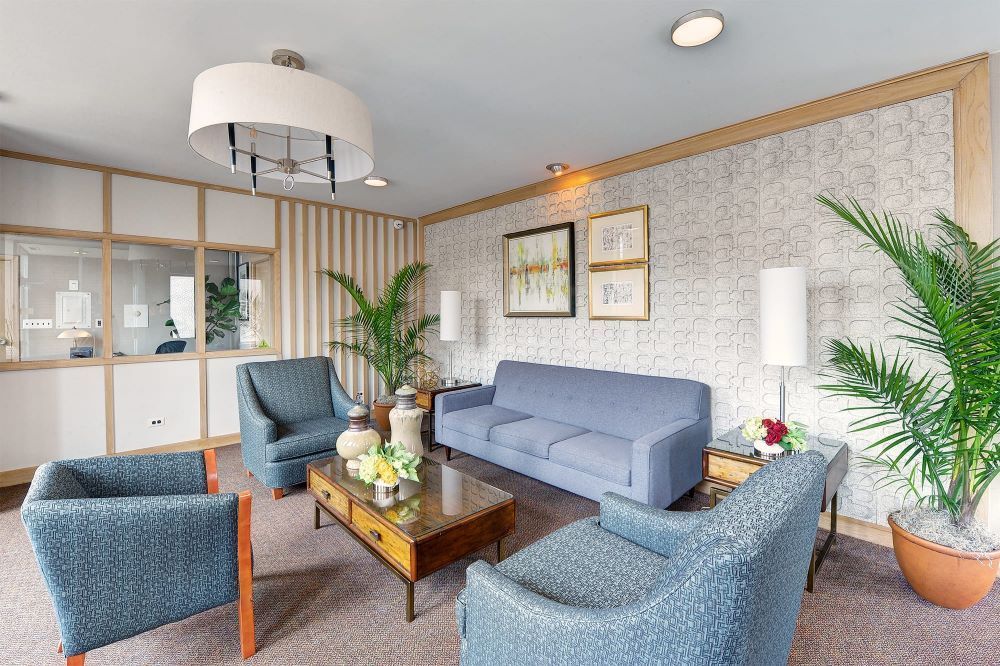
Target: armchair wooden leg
(277, 493)
(249, 474)
(244, 556)
(76, 659)
(447, 453)
(59, 649)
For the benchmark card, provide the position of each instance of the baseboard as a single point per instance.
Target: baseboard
(15, 477)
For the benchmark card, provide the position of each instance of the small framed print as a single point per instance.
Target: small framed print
(619, 292)
(618, 237)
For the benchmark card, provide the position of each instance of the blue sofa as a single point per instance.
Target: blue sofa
(644, 586)
(291, 413)
(586, 431)
(129, 543)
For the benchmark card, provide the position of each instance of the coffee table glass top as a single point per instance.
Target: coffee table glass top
(441, 497)
(733, 441)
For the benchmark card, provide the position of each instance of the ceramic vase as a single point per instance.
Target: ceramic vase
(406, 419)
(358, 438)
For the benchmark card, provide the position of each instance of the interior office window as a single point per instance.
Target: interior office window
(153, 296)
(239, 303)
(51, 289)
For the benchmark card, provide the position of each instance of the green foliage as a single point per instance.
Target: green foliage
(222, 309)
(942, 446)
(388, 333)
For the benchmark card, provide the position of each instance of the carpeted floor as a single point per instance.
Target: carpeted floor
(321, 599)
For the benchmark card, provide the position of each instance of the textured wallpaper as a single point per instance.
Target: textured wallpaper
(715, 220)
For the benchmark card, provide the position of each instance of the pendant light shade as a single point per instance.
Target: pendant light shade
(286, 115)
(783, 320)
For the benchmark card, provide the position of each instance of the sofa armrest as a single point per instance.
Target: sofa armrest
(118, 566)
(452, 401)
(666, 463)
(655, 529)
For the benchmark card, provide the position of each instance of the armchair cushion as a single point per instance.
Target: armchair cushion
(597, 454)
(305, 437)
(533, 435)
(478, 421)
(585, 566)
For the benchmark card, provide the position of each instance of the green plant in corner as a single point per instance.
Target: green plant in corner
(943, 423)
(222, 309)
(388, 333)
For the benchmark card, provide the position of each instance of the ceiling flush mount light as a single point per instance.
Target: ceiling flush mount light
(557, 168)
(279, 121)
(376, 181)
(697, 28)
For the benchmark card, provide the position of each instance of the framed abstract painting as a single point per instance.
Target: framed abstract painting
(618, 237)
(539, 275)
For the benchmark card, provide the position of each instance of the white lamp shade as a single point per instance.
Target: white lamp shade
(272, 99)
(451, 316)
(783, 316)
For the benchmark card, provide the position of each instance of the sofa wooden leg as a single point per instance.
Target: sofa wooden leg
(244, 556)
(76, 659)
(447, 453)
(277, 493)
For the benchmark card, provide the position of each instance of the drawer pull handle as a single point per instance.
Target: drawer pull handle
(375, 535)
(326, 495)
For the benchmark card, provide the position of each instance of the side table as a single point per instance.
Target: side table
(425, 400)
(729, 459)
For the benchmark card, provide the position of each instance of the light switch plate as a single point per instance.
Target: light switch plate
(74, 285)
(36, 323)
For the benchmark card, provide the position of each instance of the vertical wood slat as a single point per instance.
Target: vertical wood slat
(199, 298)
(366, 264)
(107, 309)
(333, 215)
(276, 314)
(109, 409)
(341, 310)
(317, 297)
(973, 159)
(293, 298)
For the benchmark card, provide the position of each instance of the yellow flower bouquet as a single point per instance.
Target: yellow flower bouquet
(387, 464)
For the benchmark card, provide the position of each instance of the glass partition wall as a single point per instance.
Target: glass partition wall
(238, 300)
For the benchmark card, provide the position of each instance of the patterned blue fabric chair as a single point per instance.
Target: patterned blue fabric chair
(291, 413)
(641, 585)
(130, 543)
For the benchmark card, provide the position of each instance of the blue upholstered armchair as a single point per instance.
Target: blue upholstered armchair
(641, 585)
(129, 543)
(291, 413)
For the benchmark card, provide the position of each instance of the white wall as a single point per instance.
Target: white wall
(238, 219)
(167, 390)
(44, 195)
(51, 414)
(223, 408)
(143, 207)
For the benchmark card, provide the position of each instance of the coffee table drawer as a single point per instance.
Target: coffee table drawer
(328, 495)
(386, 541)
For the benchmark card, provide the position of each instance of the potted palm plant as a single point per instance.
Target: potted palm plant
(387, 333)
(933, 403)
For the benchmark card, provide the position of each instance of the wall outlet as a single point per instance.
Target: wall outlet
(155, 422)
(98, 323)
(36, 323)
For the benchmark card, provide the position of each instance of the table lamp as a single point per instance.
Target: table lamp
(451, 330)
(783, 330)
(80, 348)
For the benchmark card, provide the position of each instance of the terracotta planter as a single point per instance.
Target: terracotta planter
(944, 576)
(380, 412)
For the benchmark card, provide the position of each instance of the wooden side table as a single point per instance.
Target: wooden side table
(729, 459)
(425, 400)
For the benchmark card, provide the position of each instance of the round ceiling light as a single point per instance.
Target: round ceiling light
(697, 28)
(557, 168)
(376, 181)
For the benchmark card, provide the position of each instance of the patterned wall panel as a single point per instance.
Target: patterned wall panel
(715, 220)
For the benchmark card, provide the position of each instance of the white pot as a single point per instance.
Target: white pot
(768, 450)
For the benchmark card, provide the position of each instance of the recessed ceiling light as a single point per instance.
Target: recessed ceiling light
(697, 28)
(557, 168)
(376, 181)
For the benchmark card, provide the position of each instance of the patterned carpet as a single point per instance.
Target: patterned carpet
(321, 599)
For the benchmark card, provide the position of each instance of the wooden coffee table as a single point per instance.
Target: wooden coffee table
(426, 525)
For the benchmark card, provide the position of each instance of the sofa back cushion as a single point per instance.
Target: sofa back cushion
(293, 390)
(615, 403)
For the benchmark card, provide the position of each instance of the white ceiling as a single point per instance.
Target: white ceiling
(468, 97)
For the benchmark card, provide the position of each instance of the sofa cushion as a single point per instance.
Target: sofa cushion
(596, 454)
(306, 437)
(477, 421)
(533, 435)
(586, 566)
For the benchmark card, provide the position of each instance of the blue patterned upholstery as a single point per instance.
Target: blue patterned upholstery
(291, 413)
(117, 565)
(586, 431)
(720, 587)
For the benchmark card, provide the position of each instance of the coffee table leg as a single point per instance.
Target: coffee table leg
(316, 517)
(409, 601)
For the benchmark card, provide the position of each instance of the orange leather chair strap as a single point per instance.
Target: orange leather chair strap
(211, 471)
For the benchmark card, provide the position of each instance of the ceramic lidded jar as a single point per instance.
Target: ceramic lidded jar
(358, 438)
(406, 419)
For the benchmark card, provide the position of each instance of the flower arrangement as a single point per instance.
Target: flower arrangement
(387, 463)
(771, 436)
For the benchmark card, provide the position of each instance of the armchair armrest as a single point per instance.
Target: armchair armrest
(255, 425)
(655, 529)
(666, 463)
(452, 401)
(155, 474)
(342, 402)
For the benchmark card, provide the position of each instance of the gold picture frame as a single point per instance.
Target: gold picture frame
(618, 237)
(618, 298)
